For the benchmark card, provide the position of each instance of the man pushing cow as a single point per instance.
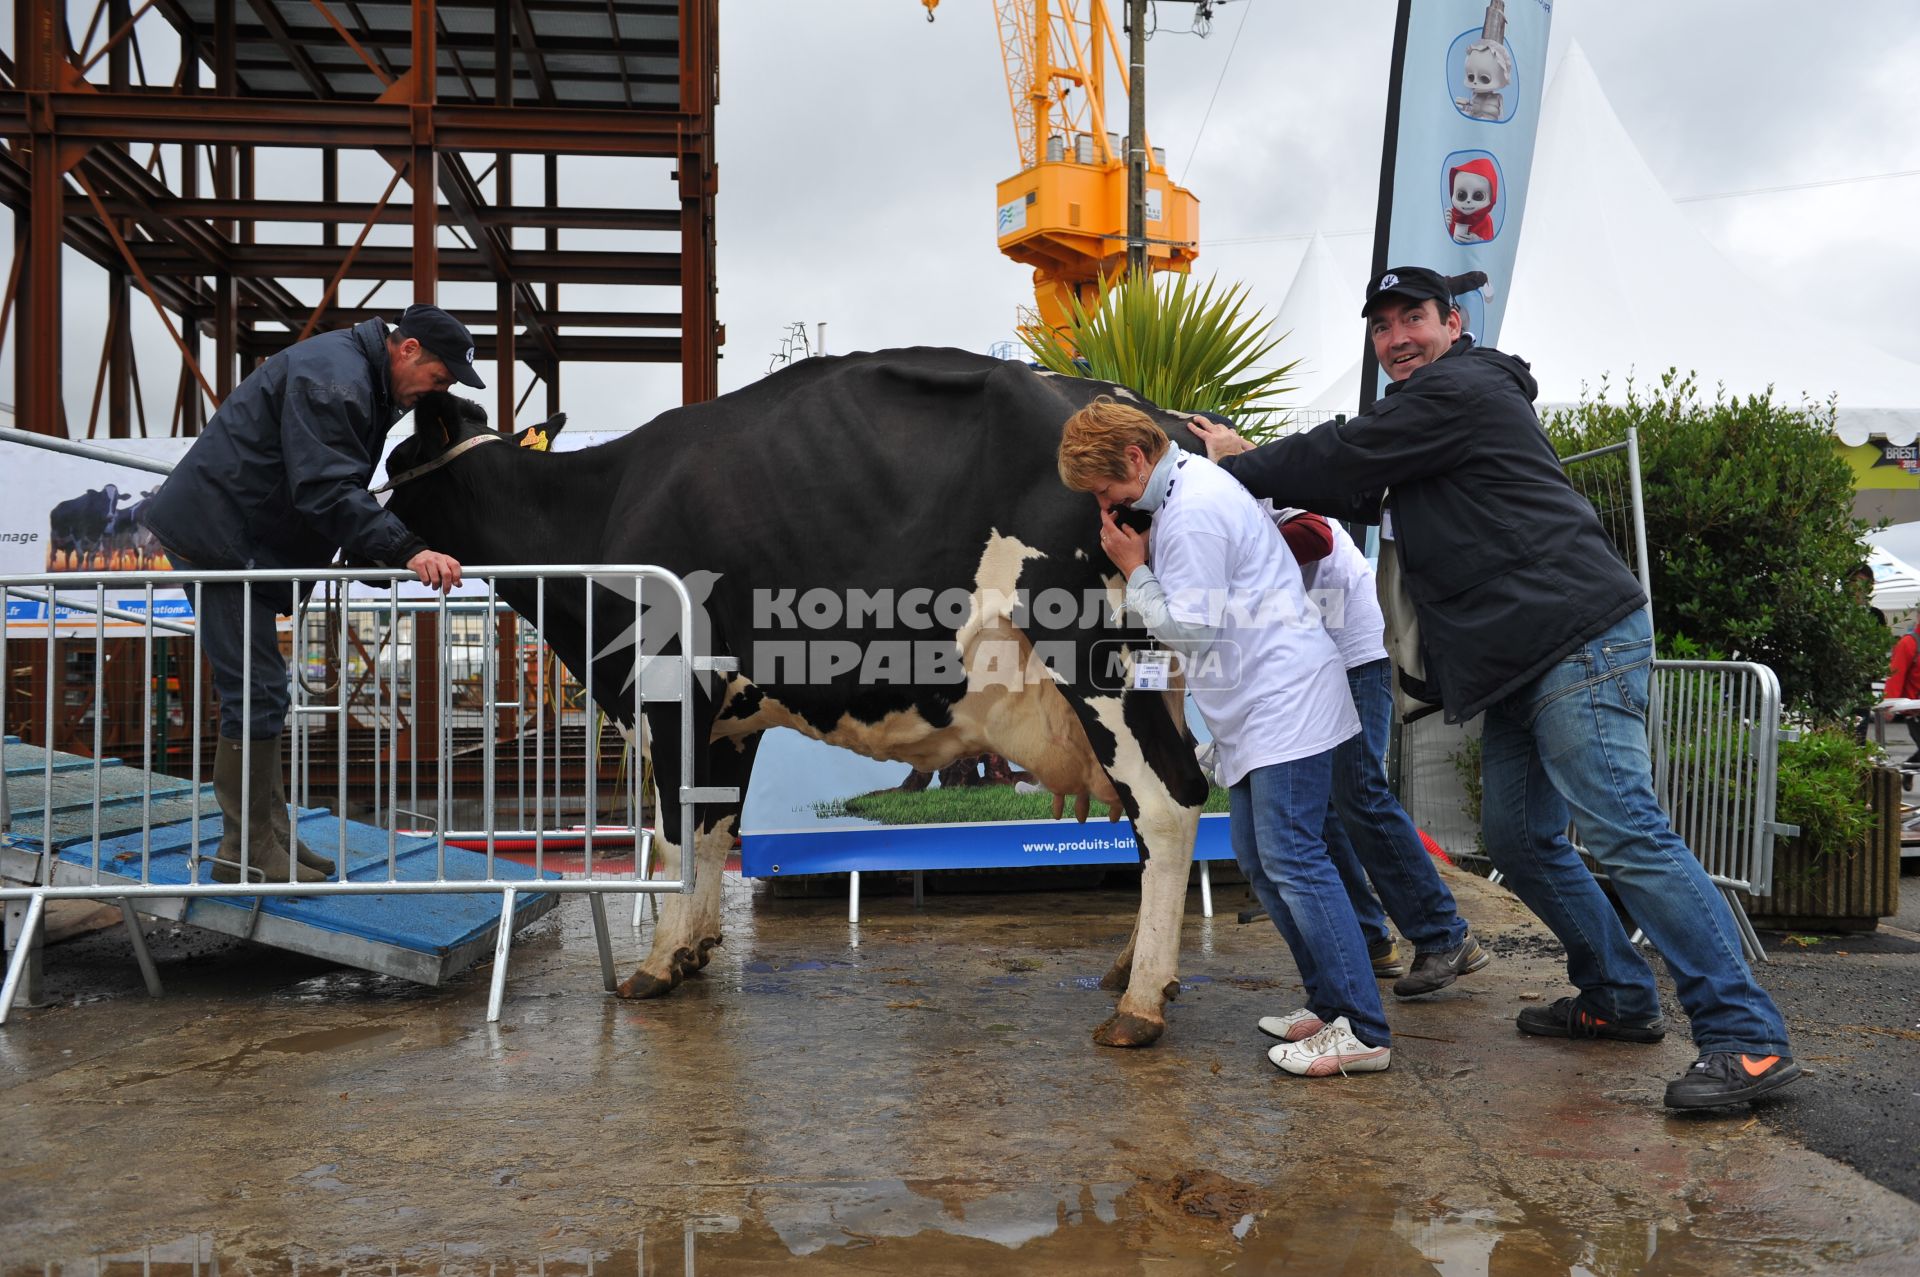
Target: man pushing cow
(1529, 616)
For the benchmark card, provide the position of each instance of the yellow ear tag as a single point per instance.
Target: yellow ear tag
(536, 440)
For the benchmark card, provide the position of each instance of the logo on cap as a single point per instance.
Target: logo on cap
(469, 354)
(1387, 280)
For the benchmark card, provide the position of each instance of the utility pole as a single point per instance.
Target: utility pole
(1137, 137)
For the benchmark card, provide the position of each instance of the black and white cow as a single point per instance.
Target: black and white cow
(925, 476)
(77, 528)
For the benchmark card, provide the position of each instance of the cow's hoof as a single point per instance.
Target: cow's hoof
(1116, 979)
(707, 946)
(1127, 1029)
(644, 984)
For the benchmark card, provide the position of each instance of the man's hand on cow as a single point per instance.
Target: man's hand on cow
(1127, 548)
(441, 571)
(1221, 440)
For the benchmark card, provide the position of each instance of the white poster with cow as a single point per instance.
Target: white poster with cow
(74, 515)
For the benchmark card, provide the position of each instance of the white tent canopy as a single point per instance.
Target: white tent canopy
(1896, 585)
(1612, 281)
(1321, 320)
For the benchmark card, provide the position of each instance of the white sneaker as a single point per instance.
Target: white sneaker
(1294, 1026)
(1332, 1050)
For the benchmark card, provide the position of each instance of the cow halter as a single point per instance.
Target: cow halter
(406, 476)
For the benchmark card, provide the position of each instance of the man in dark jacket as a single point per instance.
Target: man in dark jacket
(278, 480)
(1528, 615)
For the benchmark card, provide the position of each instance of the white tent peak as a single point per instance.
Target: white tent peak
(1613, 282)
(1320, 320)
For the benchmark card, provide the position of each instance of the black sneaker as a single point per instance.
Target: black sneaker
(1435, 971)
(1728, 1077)
(1566, 1018)
(1386, 960)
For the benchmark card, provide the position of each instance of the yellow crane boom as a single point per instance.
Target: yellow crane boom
(1065, 212)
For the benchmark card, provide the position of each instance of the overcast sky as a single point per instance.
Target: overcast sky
(859, 147)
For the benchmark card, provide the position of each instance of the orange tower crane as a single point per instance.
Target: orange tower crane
(1065, 212)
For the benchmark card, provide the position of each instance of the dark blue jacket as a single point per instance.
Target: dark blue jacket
(279, 477)
(1508, 566)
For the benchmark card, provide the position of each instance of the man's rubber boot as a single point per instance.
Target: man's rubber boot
(267, 858)
(282, 826)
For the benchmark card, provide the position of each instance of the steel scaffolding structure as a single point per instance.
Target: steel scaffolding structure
(88, 140)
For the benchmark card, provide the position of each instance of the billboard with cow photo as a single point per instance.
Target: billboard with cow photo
(100, 530)
(69, 514)
(815, 808)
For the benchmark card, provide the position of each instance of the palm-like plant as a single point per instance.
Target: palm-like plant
(1184, 346)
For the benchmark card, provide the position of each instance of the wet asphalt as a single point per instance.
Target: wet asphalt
(1852, 1004)
(919, 1094)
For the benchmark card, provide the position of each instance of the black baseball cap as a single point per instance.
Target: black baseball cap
(444, 336)
(1418, 284)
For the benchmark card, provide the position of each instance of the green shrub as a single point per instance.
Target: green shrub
(1822, 790)
(1750, 533)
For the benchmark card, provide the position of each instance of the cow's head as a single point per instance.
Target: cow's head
(438, 473)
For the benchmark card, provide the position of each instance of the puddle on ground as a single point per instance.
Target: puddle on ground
(1194, 1222)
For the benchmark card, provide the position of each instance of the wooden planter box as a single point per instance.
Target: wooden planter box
(1838, 893)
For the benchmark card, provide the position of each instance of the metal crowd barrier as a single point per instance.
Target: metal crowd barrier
(385, 678)
(1716, 765)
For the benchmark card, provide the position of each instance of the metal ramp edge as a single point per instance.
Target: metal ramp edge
(424, 938)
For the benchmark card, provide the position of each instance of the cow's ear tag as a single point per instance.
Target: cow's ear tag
(1152, 671)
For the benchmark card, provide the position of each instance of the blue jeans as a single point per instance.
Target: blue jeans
(1573, 745)
(224, 608)
(1370, 836)
(1277, 813)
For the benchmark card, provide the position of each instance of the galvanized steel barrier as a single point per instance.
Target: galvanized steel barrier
(1716, 761)
(385, 682)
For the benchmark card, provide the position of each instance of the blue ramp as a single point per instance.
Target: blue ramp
(419, 937)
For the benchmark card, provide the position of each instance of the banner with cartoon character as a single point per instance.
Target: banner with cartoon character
(1462, 109)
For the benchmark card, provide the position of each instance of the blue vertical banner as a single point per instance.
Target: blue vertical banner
(1463, 107)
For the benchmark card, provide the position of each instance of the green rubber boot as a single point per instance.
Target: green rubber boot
(267, 859)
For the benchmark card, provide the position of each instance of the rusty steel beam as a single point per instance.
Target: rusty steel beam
(464, 198)
(423, 165)
(698, 175)
(98, 117)
(317, 261)
(83, 232)
(158, 306)
(506, 346)
(662, 320)
(346, 263)
(573, 348)
(385, 77)
(282, 35)
(41, 39)
(356, 213)
(137, 185)
(175, 237)
(530, 45)
(386, 41)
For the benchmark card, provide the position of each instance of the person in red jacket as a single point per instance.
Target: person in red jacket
(1903, 683)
